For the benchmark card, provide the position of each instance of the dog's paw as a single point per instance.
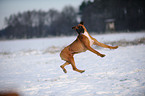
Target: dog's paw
(115, 47)
(64, 70)
(82, 71)
(102, 55)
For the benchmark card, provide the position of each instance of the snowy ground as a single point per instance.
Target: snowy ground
(31, 67)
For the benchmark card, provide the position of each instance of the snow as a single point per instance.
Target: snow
(43, 43)
(32, 69)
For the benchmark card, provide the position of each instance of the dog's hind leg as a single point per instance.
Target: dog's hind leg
(72, 62)
(62, 66)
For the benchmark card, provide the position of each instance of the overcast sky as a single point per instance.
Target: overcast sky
(8, 7)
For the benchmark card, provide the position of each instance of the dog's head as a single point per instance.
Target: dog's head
(80, 28)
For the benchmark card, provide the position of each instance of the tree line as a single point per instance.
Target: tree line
(40, 23)
(127, 15)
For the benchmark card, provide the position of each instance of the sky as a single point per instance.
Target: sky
(8, 7)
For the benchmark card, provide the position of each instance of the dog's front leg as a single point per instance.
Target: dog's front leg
(94, 51)
(86, 43)
(104, 45)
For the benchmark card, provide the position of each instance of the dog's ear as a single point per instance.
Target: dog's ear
(82, 22)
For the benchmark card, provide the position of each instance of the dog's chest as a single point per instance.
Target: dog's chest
(87, 35)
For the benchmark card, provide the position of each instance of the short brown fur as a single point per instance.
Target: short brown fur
(81, 44)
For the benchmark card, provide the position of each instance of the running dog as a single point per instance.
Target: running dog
(83, 42)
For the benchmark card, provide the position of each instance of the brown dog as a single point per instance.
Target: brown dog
(83, 42)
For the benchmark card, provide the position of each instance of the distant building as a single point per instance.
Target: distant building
(110, 25)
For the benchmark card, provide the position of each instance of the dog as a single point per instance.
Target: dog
(83, 42)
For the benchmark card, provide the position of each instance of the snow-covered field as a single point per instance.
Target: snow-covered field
(31, 67)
